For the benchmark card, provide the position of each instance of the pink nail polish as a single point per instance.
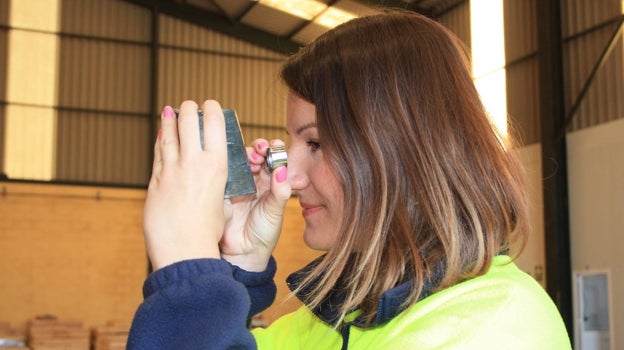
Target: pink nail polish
(282, 174)
(256, 156)
(168, 112)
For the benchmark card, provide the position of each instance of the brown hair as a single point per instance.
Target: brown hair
(428, 182)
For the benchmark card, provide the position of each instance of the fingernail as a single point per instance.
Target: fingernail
(168, 112)
(282, 174)
(256, 156)
(263, 145)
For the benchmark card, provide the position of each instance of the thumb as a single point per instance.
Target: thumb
(279, 194)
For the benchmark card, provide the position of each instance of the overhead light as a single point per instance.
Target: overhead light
(306, 9)
(333, 17)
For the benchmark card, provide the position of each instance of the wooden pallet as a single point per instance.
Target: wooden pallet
(113, 336)
(10, 338)
(49, 333)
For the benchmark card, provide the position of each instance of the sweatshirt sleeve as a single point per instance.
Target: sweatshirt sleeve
(260, 286)
(192, 304)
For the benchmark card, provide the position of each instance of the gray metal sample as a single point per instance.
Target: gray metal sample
(240, 181)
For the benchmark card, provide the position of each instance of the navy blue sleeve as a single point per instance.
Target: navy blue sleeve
(260, 286)
(192, 304)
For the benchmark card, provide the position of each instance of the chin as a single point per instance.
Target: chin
(316, 242)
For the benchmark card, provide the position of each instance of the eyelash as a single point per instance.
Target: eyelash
(314, 145)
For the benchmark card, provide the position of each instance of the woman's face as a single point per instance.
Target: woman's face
(311, 177)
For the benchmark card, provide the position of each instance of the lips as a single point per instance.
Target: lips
(309, 209)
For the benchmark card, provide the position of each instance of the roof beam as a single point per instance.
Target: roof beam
(220, 24)
(401, 4)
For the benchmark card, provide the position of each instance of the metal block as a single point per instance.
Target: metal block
(240, 181)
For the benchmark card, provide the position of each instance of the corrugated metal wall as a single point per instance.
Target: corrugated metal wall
(457, 19)
(521, 61)
(105, 108)
(587, 27)
(106, 120)
(195, 63)
(104, 128)
(30, 90)
(522, 69)
(4, 33)
(103, 119)
(108, 103)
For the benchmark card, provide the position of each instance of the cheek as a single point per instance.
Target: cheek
(335, 203)
(327, 183)
(323, 232)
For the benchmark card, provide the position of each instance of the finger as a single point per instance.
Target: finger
(254, 157)
(228, 211)
(214, 127)
(188, 128)
(277, 143)
(280, 191)
(169, 143)
(256, 154)
(215, 142)
(157, 165)
(261, 146)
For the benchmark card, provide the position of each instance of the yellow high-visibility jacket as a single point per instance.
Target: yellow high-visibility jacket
(206, 303)
(502, 309)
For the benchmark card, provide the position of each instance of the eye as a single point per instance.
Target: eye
(314, 145)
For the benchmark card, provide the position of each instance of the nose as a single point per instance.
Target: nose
(297, 171)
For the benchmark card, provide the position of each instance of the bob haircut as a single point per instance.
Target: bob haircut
(432, 191)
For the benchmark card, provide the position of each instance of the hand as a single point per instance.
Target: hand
(184, 214)
(252, 233)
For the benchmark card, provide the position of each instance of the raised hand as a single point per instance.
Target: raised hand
(252, 233)
(184, 214)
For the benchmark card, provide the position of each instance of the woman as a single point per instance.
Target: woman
(403, 181)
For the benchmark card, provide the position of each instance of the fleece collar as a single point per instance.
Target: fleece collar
(390, 304)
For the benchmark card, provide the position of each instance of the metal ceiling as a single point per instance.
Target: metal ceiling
(259, 24)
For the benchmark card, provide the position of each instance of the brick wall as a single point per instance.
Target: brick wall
(70, 251)
(77, 252)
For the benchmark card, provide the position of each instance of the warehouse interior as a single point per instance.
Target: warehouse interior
(82, 84)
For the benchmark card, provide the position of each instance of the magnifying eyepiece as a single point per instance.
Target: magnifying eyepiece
(276, 157)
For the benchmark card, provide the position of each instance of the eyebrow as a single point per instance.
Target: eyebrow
(303, 128)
